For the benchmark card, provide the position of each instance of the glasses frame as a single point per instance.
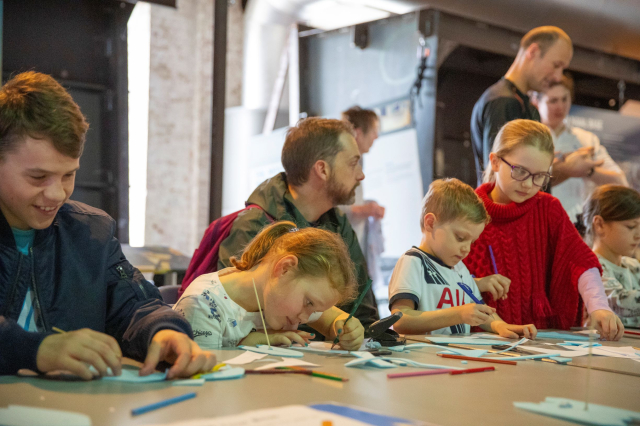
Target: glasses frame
(529, 174)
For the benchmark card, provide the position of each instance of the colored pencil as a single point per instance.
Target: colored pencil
(161, 404)
(355, 307)
(471, 358)
(418, 373)
(472, 370)
(493, 261)
(276, 372)
(321, 374)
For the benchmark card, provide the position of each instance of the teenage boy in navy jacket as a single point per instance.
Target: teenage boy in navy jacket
(60, 262)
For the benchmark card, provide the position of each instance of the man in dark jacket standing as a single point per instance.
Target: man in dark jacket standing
(322, 170)
(543, 55)
(61, 266)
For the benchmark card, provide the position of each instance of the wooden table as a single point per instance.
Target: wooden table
(480, 398)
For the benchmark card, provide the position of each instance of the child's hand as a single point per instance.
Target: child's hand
(286, 338)
(76, 351)
(497, 285)
(474, 314)
(178, 349)
(350, 335)
(608, 324)
(513, 331)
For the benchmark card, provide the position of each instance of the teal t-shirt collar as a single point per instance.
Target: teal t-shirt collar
(24, 239)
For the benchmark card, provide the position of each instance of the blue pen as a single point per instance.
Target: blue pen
(468, 290)
(156, 405)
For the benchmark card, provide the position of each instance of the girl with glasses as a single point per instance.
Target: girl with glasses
(532, 241)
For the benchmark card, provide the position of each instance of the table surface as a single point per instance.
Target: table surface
(480, 398)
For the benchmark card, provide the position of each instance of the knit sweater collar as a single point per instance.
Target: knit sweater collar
(504, 212)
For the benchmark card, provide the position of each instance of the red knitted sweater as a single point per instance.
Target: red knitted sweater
(538, 248)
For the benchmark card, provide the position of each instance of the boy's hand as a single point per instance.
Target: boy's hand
(178, 349)
(286, 338)
(350, 335)
(497, 285)
(474, 314)
(76, 351)
(608, 324)
(513, 331)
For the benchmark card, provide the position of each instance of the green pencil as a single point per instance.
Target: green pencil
(355, 307)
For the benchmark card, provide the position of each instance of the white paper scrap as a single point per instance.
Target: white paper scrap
(17, 415)
(246, 358)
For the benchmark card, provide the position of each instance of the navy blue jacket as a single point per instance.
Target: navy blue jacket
(80, 279)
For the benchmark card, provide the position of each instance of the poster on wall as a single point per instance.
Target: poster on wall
(619, 134)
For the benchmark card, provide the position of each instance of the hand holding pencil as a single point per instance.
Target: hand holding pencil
(350, 334)
(340, 330)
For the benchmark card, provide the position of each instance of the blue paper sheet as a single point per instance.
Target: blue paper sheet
(573, 411)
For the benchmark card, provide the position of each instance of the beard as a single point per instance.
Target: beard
(340, 195)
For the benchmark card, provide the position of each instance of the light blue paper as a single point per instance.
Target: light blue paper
(188, 382)
(224, 373)
(454, 351)
(580, 344)
(131, 376)
(273, 350)
(561, 336)
(366, 358)
(319, 351)
(465, 352)
(572, 410)
(519, 342)
(411, 363)
(464, 341)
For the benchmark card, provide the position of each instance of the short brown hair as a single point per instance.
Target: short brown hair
(313, 139)
(360, 118)
(35, 105)
(565, 81)
(516, 133)
(450, 199)
(320, 253)
(544, 37)
(613, 203)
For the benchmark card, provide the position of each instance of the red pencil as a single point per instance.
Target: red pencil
(472, 370)
(419, 373)
(470, 358)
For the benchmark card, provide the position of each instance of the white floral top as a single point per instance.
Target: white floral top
(216, 320)
(622, 286)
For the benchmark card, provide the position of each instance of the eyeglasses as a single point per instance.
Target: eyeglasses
(521, 174)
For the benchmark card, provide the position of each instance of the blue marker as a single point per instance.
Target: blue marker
(468, 290)
(156, 405)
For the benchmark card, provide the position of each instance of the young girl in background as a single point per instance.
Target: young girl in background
(533, 242)
(299, 275)
(611, 223)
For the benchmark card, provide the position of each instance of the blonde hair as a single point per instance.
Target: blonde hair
(450, 199)
(518, 133)
(320, 253)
